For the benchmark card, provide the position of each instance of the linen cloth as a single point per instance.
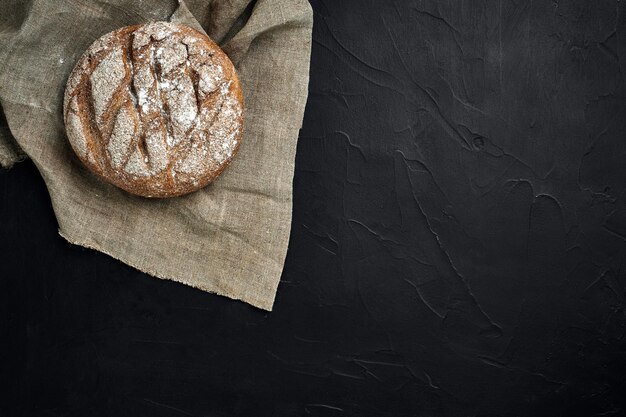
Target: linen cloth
(229, 238)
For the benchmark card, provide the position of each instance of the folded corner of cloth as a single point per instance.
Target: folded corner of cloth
(229, 238)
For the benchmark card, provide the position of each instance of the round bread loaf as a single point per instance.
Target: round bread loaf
(155, 109)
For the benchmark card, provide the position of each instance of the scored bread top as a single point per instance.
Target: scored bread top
(155, 109)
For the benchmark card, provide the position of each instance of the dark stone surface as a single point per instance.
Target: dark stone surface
(457, 249)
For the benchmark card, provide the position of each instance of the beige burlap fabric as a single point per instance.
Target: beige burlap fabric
(230, 238)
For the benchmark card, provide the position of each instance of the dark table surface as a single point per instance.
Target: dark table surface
(457, 248)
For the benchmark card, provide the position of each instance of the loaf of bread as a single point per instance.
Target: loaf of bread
(156, 109)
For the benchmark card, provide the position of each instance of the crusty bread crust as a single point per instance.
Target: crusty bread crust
(156, 109)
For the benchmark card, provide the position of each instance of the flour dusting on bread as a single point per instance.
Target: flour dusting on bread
(163, 106)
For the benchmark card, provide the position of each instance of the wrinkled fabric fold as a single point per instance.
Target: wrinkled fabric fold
(229, 238)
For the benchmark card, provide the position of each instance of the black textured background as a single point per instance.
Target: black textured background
(457, 249)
